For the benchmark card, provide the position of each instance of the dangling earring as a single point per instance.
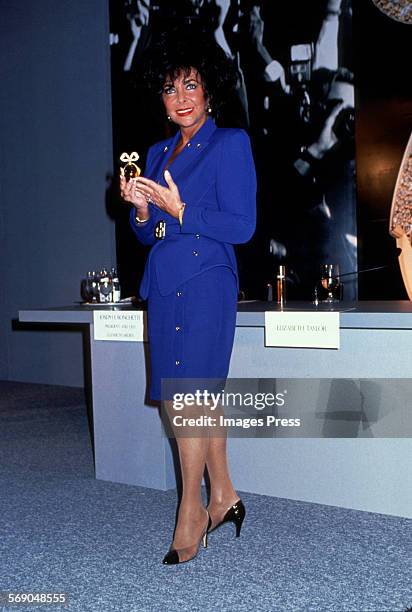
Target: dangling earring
(209, 109)
(169, 118)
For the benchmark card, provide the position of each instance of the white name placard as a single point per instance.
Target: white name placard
(302, 329)
(118, 325)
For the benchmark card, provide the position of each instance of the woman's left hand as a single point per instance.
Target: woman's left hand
(165, 198)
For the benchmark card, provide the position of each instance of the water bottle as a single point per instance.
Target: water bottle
(115, 286)
(95, 286)
(105, 287)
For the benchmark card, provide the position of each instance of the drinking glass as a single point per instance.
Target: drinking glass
(330, 286)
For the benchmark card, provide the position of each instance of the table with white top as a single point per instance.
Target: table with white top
(349, 461)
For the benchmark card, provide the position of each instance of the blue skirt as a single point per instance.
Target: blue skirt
(191, 330)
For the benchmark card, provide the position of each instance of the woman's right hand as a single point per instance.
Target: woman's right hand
(130, 194)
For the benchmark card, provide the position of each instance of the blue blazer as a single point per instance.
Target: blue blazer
(216, 177)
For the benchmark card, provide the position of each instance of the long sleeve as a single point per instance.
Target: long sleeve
(145, 231)
(234, 222)
(326, 50)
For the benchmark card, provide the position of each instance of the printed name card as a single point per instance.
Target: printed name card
(118, 325)
(302, 329)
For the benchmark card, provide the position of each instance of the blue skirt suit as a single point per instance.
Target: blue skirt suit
(190, 278)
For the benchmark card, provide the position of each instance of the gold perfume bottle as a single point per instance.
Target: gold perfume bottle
(130, 170)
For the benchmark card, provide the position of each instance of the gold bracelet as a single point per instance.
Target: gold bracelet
(181, 211)
(141, 220)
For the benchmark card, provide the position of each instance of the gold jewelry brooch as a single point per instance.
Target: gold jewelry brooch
(130, 170)
(181, 211)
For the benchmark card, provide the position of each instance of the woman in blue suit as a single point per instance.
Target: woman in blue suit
(197, 199)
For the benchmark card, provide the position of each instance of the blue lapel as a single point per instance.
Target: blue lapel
(191, 151)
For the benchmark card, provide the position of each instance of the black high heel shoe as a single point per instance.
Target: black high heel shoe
(173, 558)
(236, 514)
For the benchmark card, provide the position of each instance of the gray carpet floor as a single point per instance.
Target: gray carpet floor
(102, 542)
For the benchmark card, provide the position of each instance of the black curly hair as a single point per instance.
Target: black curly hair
(176, 52)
